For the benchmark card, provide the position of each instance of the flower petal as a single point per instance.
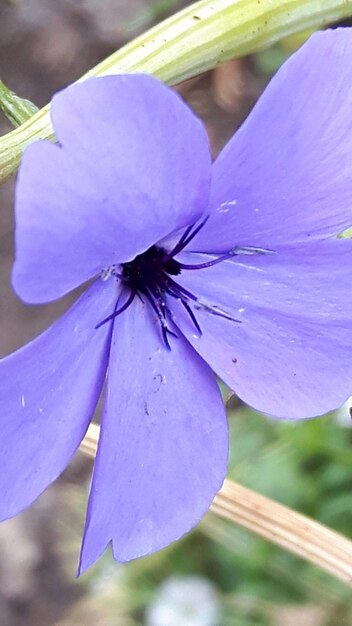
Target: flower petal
(290, 353)
(285, 176)
(133, 165)
(163, 444)
(49, 390)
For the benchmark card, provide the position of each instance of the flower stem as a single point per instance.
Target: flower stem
(17, 110)
(190, 42)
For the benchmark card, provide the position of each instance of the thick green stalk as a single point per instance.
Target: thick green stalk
(192, 41)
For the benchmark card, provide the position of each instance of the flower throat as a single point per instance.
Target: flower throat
(149, 276)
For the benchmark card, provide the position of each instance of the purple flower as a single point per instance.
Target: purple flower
(234, 268)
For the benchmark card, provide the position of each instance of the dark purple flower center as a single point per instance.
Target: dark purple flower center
(149, 267)
(150, 277)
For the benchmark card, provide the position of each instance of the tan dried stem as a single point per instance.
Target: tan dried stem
(279, 524)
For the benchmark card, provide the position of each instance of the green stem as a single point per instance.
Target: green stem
(188, 43)
(17, 110)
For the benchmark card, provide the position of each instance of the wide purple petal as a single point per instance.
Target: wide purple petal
(163, 447)
(132, 166)
(48, 393)
(289, 353)
(285, 176)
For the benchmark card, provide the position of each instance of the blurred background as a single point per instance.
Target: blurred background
(219, 575)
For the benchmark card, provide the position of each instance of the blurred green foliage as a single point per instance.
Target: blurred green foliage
(155, 12)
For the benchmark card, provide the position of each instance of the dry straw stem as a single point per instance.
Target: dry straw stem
(277, 523)
(192, 41)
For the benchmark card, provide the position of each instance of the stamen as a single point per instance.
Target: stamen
(191, 314)
(215, 310)
(110, 271)
(247, 250)
(201, 304)
(149, 276)
(187, 236)
(251, 250)
(118, 311)
(201, 266)
(161, 314)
